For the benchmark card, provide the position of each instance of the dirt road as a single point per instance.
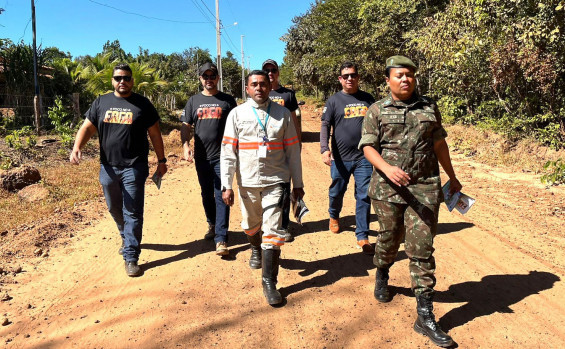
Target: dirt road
(500, 272)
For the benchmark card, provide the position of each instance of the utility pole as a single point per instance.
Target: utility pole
(36, 108)
(218, 45)
(242, 72)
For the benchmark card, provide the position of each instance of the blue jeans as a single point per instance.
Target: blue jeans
(217, 212)
(341, 172)
(124, 190)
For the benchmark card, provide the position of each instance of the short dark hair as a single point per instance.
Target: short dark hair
(348, 64)
(122, 66)
(256, 72)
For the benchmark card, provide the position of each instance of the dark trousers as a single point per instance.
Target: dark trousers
(124, 190)
(217, 212)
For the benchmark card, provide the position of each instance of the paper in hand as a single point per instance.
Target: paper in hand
(299, 209)
(156, 178)
(458, 200)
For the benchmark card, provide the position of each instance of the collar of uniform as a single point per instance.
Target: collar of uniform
(415, 99)
(259, 106)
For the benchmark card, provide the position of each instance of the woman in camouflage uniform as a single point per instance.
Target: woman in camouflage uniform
(404, 140)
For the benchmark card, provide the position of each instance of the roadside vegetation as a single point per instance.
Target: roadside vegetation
(496, 68)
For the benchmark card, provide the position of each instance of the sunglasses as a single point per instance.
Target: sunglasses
(119, 78)
(209, 77)
(352, 75)
(273, 70)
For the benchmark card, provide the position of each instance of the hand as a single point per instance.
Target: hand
(454, 186)
(327, 157)
(75, 157)
(162, 169)
(298, 193)
(188, 153)
(227, 196)
(397, 176)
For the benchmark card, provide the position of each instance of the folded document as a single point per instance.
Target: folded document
(458, 200)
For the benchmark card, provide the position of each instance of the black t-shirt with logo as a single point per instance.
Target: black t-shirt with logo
(285, 97)
(345, 113)
(122, 125)
(208, 115)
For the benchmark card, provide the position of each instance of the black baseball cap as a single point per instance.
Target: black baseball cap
(207, 66)
(270, 61)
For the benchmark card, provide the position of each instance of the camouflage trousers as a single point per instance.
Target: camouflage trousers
(416, 225)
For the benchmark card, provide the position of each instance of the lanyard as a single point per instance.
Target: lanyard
(264, 127)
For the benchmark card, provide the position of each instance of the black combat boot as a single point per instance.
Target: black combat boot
(255, 259)
(381, 286)
(270, 273)
(426, 323)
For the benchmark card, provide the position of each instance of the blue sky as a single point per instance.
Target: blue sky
(82, 27)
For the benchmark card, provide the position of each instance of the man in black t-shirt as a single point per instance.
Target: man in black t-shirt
(206, 112)
(344, 112)
(123, 119)
(287, 99)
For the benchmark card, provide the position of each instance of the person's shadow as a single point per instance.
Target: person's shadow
(349, 265)
(493, 294)
(310, 137)
(193, 249)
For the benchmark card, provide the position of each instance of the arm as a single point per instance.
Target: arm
(293, 159)
(83, 135)
(325, 135)
(185, 137)
(394, 173)
(370, 142)
(157, 141)
(229, 153)
(442, 153)
(297, 125)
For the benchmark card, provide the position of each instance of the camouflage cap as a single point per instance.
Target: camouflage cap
(400, 62)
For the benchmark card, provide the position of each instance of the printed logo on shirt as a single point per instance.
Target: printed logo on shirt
(122, 116)
(277, 99)
(209, 111)
(357, 110)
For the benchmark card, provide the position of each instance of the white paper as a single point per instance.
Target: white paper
(262, 151)
(460, 201)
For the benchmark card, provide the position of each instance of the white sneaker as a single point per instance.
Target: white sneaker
(222, 249)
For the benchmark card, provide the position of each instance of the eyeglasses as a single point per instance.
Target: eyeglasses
(352, 75)
(209, 77)
(273, 70)
(119, 78)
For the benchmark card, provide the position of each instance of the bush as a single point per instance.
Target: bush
(556, 173)
(60, 118)
(21, 139)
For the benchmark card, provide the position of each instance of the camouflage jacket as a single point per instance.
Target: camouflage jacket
(404, 135)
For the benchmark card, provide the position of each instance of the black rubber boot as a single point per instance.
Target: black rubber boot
(270, 273)
(255, 259)
(426, 323)
(381, 286)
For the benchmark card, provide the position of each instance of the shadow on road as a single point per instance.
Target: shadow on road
(194, 248)
(310, 137)
(337, 268)
(493, 294)
(347, 223)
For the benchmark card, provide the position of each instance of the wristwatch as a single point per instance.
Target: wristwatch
(163, 160)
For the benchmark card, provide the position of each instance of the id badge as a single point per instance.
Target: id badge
(262, 151)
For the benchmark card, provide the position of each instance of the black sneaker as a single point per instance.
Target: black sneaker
(211, 233)
(121, 250)
(132, 269)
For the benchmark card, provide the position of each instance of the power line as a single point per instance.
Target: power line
(204, 14)
(144, 16)
(203, 3)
